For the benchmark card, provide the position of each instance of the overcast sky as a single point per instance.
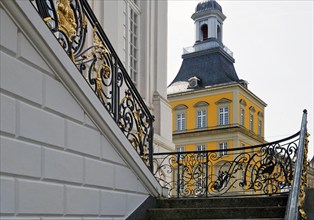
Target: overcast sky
(272, 43)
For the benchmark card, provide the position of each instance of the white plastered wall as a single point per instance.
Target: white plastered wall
(62, 156)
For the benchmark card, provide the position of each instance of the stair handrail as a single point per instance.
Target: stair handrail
(102, 69)
(264, 169)
(295, 203)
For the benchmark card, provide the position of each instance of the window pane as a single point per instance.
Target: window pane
(223, 146)
(201, 119)
(242, 117)
(224, 116)
(201, 147)
(180, 121)
(251, 122)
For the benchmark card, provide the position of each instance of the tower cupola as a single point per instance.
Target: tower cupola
(208, 19)
(208, 62)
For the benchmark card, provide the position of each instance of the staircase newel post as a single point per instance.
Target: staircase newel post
(115, 93)
(292, 211)
(178, 175)
(151, 148)
(206, 176)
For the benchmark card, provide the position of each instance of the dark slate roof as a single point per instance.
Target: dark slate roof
(211, 66)
(209, 4)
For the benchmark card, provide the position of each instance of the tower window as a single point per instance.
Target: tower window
(204, 30)
(219, 36)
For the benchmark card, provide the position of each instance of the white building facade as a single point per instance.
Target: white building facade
(62, 154)
(138, 31)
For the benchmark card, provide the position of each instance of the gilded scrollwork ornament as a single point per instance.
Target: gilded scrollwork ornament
(303, 181)
(67, 23)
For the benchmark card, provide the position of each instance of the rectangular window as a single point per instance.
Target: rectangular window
(242, 116)
(223, 146)
(180, 149)
(133, 42)
(201, 147)
(201, 119)
(251, 122)
(223, 115)
(181, 121)
(259, 127)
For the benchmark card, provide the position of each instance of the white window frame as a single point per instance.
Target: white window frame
(180, 121)
(201, 114)
(224, 115)
(223, 146)
(260, 123)
(201, 118)
(242, 116)
(242, 112)
(251, 122)
(260, 127)
(201, 147)
(180, 149)
(132, 39)
(180, 117)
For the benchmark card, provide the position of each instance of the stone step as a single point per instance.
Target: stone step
(241, 219)
(276, 201)
(216, 213)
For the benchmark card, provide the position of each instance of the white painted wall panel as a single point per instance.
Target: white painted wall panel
(27, 52)
(99, 173)
(18, 157)
(83, 139)
(125, 179)
(82, 201)
(7, 198)
(8, 32)
(7, 114)
(36, 197)
(108, 153)
(58, 99)
(63, 166)
(16, 77)
(113, 203)
(41, 126)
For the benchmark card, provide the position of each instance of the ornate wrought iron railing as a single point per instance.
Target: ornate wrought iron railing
(78, 31)
(257, 170)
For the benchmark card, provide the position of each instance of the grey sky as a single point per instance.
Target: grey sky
(272, 42)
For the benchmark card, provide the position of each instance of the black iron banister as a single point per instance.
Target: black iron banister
(294, 209)
(255, 170)
(99, 64)
(94, 19)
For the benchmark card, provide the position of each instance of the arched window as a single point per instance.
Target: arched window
(204, 30)
(201, 114)
(180, 114)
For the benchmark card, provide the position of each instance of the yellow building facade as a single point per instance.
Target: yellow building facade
(219, 117)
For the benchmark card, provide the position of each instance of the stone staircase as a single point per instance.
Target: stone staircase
(257, 208)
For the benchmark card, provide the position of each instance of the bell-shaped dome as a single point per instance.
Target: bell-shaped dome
(206, 5)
